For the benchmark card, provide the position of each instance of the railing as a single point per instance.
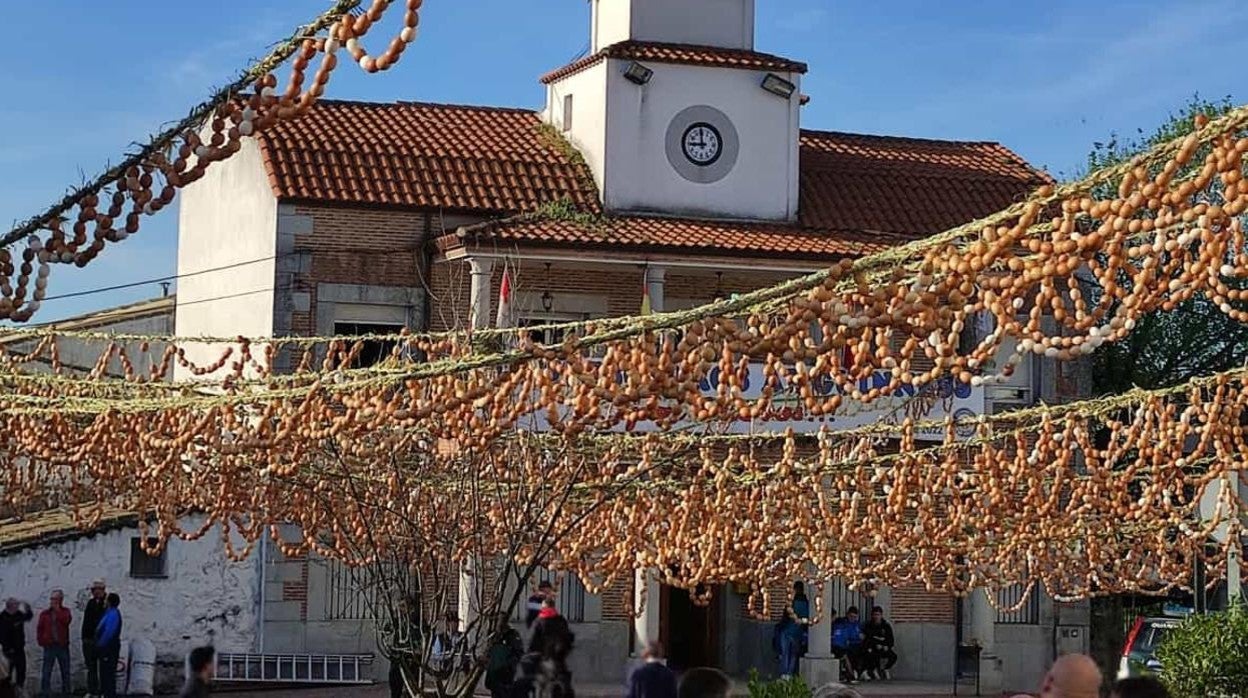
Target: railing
(331, 669)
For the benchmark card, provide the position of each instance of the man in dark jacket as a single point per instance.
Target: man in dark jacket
(91, 616)
(108, 646)
(652, 679)
(552, 639)
(877, 643)
(13, 620)
(504, 656)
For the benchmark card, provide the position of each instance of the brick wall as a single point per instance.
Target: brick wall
(915, 604)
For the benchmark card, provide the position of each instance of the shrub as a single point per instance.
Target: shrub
(1207, 656)
(780, 688)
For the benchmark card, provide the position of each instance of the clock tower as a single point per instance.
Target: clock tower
(677, 114)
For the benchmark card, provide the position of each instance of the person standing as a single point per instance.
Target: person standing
(652, 679)
(52, 634)
(13, 620)
(552, 639)
(503, 659)
(534, 607)
(794, 630)
(878, 653)
(91, 616)
(201, 667)
(108, 646)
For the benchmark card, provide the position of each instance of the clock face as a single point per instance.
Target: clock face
(702, 144)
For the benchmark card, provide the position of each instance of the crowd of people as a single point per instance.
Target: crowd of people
(100, 636)
(867, 651)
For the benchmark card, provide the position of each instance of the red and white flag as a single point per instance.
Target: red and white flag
(504, 301)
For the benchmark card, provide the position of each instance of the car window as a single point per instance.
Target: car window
(1150, 637)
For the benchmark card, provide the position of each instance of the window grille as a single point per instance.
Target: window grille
(1026, 614)
(349, 594)
(569, 595)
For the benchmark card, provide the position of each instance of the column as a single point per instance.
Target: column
(984, 630)
(819, 667)
(656, 278)
(482, 270)
(646, 626)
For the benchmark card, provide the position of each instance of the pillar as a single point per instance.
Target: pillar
(819, 667)
(482, 270)
(984, 630)
(656, 279)
(646, 625)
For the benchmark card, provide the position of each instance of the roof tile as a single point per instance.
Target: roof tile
(684, 54)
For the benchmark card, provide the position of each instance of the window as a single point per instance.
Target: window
(1026, 614)
(349, 594)
(144, 566)
(569, 595)
(375, 350)
(567, 112)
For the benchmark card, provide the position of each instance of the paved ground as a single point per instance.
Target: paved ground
(893, 689)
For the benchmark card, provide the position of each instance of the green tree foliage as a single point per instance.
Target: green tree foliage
(1196, 338)
(1207, 657)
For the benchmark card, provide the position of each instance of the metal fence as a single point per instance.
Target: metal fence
(862, 598)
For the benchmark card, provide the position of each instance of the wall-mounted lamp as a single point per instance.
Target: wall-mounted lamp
(778, 86)
(548, 298)
(719, 286)
(637, 73)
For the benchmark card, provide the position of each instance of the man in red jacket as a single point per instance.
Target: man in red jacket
(52, 632)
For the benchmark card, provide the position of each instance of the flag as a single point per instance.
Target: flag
(645, 295)
(504, 301)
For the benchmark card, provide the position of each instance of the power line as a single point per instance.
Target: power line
(163, 279)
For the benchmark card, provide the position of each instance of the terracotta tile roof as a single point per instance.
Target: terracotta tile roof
(643, 233)
(910, 186)
(684, 54)
(503, 162)
(424, 155)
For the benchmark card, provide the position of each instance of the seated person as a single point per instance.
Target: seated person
(847, 644)
(877, 646)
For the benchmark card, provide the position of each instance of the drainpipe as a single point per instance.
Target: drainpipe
(264, 548)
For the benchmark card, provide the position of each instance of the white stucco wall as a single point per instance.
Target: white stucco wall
(204, 599)
(589, 115)
(77, 354)
(227, 218)
(638, 175)
(727, 23)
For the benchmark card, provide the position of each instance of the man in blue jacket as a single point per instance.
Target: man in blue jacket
(847, 644)
(108, 645)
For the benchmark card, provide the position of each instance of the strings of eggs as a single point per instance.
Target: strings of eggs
(1007, 506)
(117, 211)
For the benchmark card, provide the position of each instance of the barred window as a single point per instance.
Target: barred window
(349, 594)
(569, 595)
(862, 598)
(144, 566)
(1028, 613)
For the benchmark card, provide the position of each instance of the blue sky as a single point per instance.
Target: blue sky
(83, 79)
